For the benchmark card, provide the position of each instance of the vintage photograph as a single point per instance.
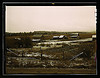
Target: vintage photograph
(50, 40)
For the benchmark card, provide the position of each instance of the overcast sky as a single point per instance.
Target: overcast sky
(50, 18)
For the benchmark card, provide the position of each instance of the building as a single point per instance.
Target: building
(74, 35)
(55, 37)
(37, 36)
(60, 37)
(93, 37)
(17, 38)
(36, 40)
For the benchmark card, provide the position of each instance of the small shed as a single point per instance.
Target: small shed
(36, 40)
(55, 37)
(93, 37)
(17, 38)
(37, 36)
(62, 37)
(74, 35)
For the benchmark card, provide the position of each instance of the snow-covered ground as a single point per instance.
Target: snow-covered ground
(66, 42)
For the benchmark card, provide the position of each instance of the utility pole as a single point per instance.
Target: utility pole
(22, 53)
(63, 55)
(63, 52)
(41, 52)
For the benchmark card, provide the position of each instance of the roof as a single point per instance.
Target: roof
(74, 33)
(18, 38)
(93, 36)
(55, 36)
(36, 39)
(74, 36)
(61, 36)
(37, 35)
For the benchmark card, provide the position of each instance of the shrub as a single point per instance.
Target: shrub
(87, 49)
(25, 42)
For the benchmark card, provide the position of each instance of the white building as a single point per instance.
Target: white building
(93, 37)
(74, 35)
(36, 40)
(55, 37)
(60, 37)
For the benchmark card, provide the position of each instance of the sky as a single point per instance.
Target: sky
(50, 18)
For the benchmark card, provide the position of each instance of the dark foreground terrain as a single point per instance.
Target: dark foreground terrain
(50, 55)
(49, 71)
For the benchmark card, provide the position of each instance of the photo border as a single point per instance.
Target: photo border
(4, 4)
